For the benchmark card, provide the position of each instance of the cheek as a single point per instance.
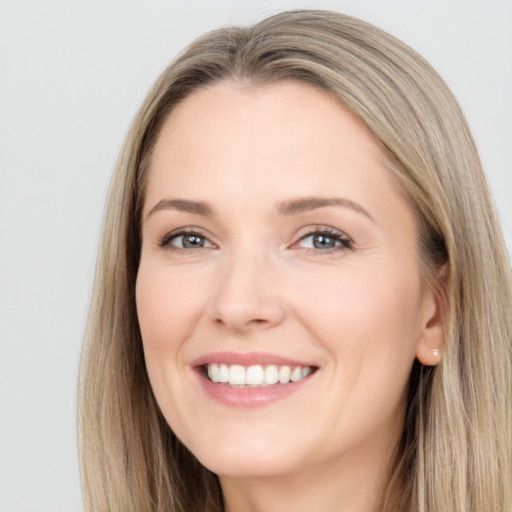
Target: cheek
(370, 324)
(168, 309)
(365, 307)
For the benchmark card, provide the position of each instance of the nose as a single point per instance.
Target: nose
(248, 297)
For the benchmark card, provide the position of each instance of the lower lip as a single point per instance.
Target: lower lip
(249, 398)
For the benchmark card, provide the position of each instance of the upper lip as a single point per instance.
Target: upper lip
(246, 359)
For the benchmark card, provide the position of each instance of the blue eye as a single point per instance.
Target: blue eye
(185, 241)
(325, 240)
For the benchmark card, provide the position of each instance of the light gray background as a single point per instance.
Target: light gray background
(71, 77)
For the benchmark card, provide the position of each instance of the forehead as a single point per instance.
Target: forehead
(284, 131)
(238, 105)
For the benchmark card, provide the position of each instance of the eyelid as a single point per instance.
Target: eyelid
(345, 241)
(165, 241)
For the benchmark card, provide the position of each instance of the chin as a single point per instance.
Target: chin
(237, 461)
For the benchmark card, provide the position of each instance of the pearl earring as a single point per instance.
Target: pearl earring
(435, 352)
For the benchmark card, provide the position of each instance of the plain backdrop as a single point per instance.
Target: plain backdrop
(71, 77)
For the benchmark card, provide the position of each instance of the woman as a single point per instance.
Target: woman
(303, 295)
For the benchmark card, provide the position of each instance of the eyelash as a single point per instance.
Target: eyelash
(165, 242)
(338, 236)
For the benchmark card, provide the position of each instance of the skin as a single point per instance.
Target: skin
(359, 313)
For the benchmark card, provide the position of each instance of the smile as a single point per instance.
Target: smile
(251, 380)
(255, 375)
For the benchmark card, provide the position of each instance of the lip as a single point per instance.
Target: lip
(247, 359)
(247, 397)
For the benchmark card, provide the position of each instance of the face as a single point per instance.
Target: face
(279, 294)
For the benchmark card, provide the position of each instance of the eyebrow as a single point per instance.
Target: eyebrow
(305, 204)
(182, 205)
(290, 207)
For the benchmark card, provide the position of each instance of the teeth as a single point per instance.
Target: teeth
(284, 374)
(237, 375)
(296, 374)
(213, 372)
(271, 374)
(223, 373)
(306, 370)
(256, 375)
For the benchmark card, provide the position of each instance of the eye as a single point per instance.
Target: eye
(185, 240)
(324, 239)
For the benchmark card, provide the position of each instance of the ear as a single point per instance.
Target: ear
(429, 348)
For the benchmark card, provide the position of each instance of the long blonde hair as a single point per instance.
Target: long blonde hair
(455, 454)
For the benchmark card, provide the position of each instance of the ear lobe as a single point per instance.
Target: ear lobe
(430, 344)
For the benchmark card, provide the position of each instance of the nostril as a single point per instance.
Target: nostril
(253, 322)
